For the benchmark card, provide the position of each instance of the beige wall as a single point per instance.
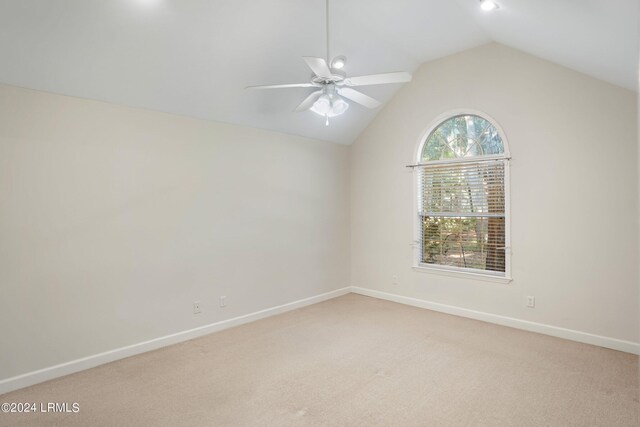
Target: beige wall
(573, 187)
(113, 221)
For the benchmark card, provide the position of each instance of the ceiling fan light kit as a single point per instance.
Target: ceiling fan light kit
(329, 104)
(333, 85)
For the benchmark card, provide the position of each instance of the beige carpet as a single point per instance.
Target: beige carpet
(353, 361)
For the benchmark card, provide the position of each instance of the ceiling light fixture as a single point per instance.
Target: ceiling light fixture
(329, 104)
(488, 5)
(339, 62)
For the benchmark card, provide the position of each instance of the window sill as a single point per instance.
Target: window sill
(463, 274)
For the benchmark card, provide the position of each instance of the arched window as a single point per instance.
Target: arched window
(462, 222)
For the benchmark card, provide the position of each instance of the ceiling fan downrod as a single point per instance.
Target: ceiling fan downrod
(327, 30)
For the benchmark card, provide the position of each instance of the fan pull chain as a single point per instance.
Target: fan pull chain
(327, 122)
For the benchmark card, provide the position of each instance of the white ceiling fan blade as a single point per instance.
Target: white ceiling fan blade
(309, 101)
(318, 66)
(280, 86)
(359, 97)
(378, 79)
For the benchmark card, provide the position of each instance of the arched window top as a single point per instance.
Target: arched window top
(461, 136)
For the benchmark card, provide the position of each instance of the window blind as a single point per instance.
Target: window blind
(462, 214)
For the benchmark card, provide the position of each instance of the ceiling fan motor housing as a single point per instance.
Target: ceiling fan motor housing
(337, 77)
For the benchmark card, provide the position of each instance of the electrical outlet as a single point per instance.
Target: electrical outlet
(396, 280)
(531, 302)
(223, 301)
(196, 308)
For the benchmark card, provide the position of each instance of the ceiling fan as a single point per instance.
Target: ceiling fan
(332, 84)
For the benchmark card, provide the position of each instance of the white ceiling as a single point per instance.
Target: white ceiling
(194, 57)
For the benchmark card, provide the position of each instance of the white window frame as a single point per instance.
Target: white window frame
(467, 273)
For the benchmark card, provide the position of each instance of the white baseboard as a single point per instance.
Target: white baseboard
(583, 337)
(41, 375)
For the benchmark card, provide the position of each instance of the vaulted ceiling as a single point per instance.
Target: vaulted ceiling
(195, 57)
